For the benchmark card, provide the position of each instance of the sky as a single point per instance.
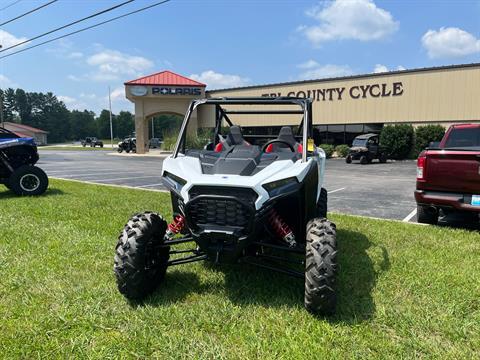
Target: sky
(229, 43)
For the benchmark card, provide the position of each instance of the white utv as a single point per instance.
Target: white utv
(238, 198)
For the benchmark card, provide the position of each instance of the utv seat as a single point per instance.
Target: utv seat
(234, 138)
(286, 134)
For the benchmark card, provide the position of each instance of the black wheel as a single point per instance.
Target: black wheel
(383, 158)
(426, 217)
(140, 258)
(84, 145)
(320, 266)
(119, 150)
(28, 180)
(101, 145)
(363, 160)
(348, 159)
(322, 204)
(127, 150)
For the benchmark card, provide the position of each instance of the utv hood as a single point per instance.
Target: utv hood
(5, 143)
(188, 173)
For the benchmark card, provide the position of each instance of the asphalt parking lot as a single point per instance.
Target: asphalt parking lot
(376, 190)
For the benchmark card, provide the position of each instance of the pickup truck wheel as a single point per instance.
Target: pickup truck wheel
(348, 159)
(119, 150)
(363, 160)
(141, 259)
(383, 158)
(426, 217)
(28, 180)
(320, 266)
(322, 204)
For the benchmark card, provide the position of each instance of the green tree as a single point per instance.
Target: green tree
(9, 111)
(82, 124)
(397, 141)
(165, 125)
(124, 124)
(22, 106)
(103, 124)
(424, 135)
(50, 114)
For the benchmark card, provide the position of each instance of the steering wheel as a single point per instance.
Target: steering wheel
(264, 147)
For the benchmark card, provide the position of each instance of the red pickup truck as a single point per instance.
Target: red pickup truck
(448, 175)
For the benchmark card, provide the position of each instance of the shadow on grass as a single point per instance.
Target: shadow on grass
(248, 285)
(460, 220)
(7, 194)
(175, 288)
(357, 276)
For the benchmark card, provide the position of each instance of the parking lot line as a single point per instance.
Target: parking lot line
(410, 216)
(334, 191)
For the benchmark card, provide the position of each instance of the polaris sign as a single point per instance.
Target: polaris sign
(176, 91)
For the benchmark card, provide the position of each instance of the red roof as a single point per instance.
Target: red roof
(22, 135)
(25, 127)
(165, 78)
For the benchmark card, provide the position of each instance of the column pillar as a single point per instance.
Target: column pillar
(141, 128)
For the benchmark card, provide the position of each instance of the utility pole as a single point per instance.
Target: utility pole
(1, 110)
(111, 126)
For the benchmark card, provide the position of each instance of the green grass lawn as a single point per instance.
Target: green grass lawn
(404, 291)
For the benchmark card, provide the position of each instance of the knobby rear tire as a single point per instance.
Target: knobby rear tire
(320, 266)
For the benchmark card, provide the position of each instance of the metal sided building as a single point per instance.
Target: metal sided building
(343, 107)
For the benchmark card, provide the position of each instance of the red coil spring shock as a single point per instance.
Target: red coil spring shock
(175, 226)
(281, 228)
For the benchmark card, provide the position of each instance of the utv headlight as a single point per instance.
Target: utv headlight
(281, 186)
(173, 182)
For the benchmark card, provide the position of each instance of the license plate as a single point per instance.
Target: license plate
(476, 200)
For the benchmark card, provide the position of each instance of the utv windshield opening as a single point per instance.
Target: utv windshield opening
(359, 143)
(213, 127)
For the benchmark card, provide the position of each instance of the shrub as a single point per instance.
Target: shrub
(169, 140)
(397, 141)
(328, 149)
(424, 135)
(342, 150)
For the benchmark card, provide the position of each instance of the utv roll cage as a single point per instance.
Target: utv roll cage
(305, 108)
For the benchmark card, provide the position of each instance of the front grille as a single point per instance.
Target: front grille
(219, 206)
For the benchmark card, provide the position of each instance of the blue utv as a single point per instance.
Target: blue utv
(18, 172)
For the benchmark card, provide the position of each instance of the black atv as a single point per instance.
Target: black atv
(127, 145)
(366, 148)
(17, 159)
